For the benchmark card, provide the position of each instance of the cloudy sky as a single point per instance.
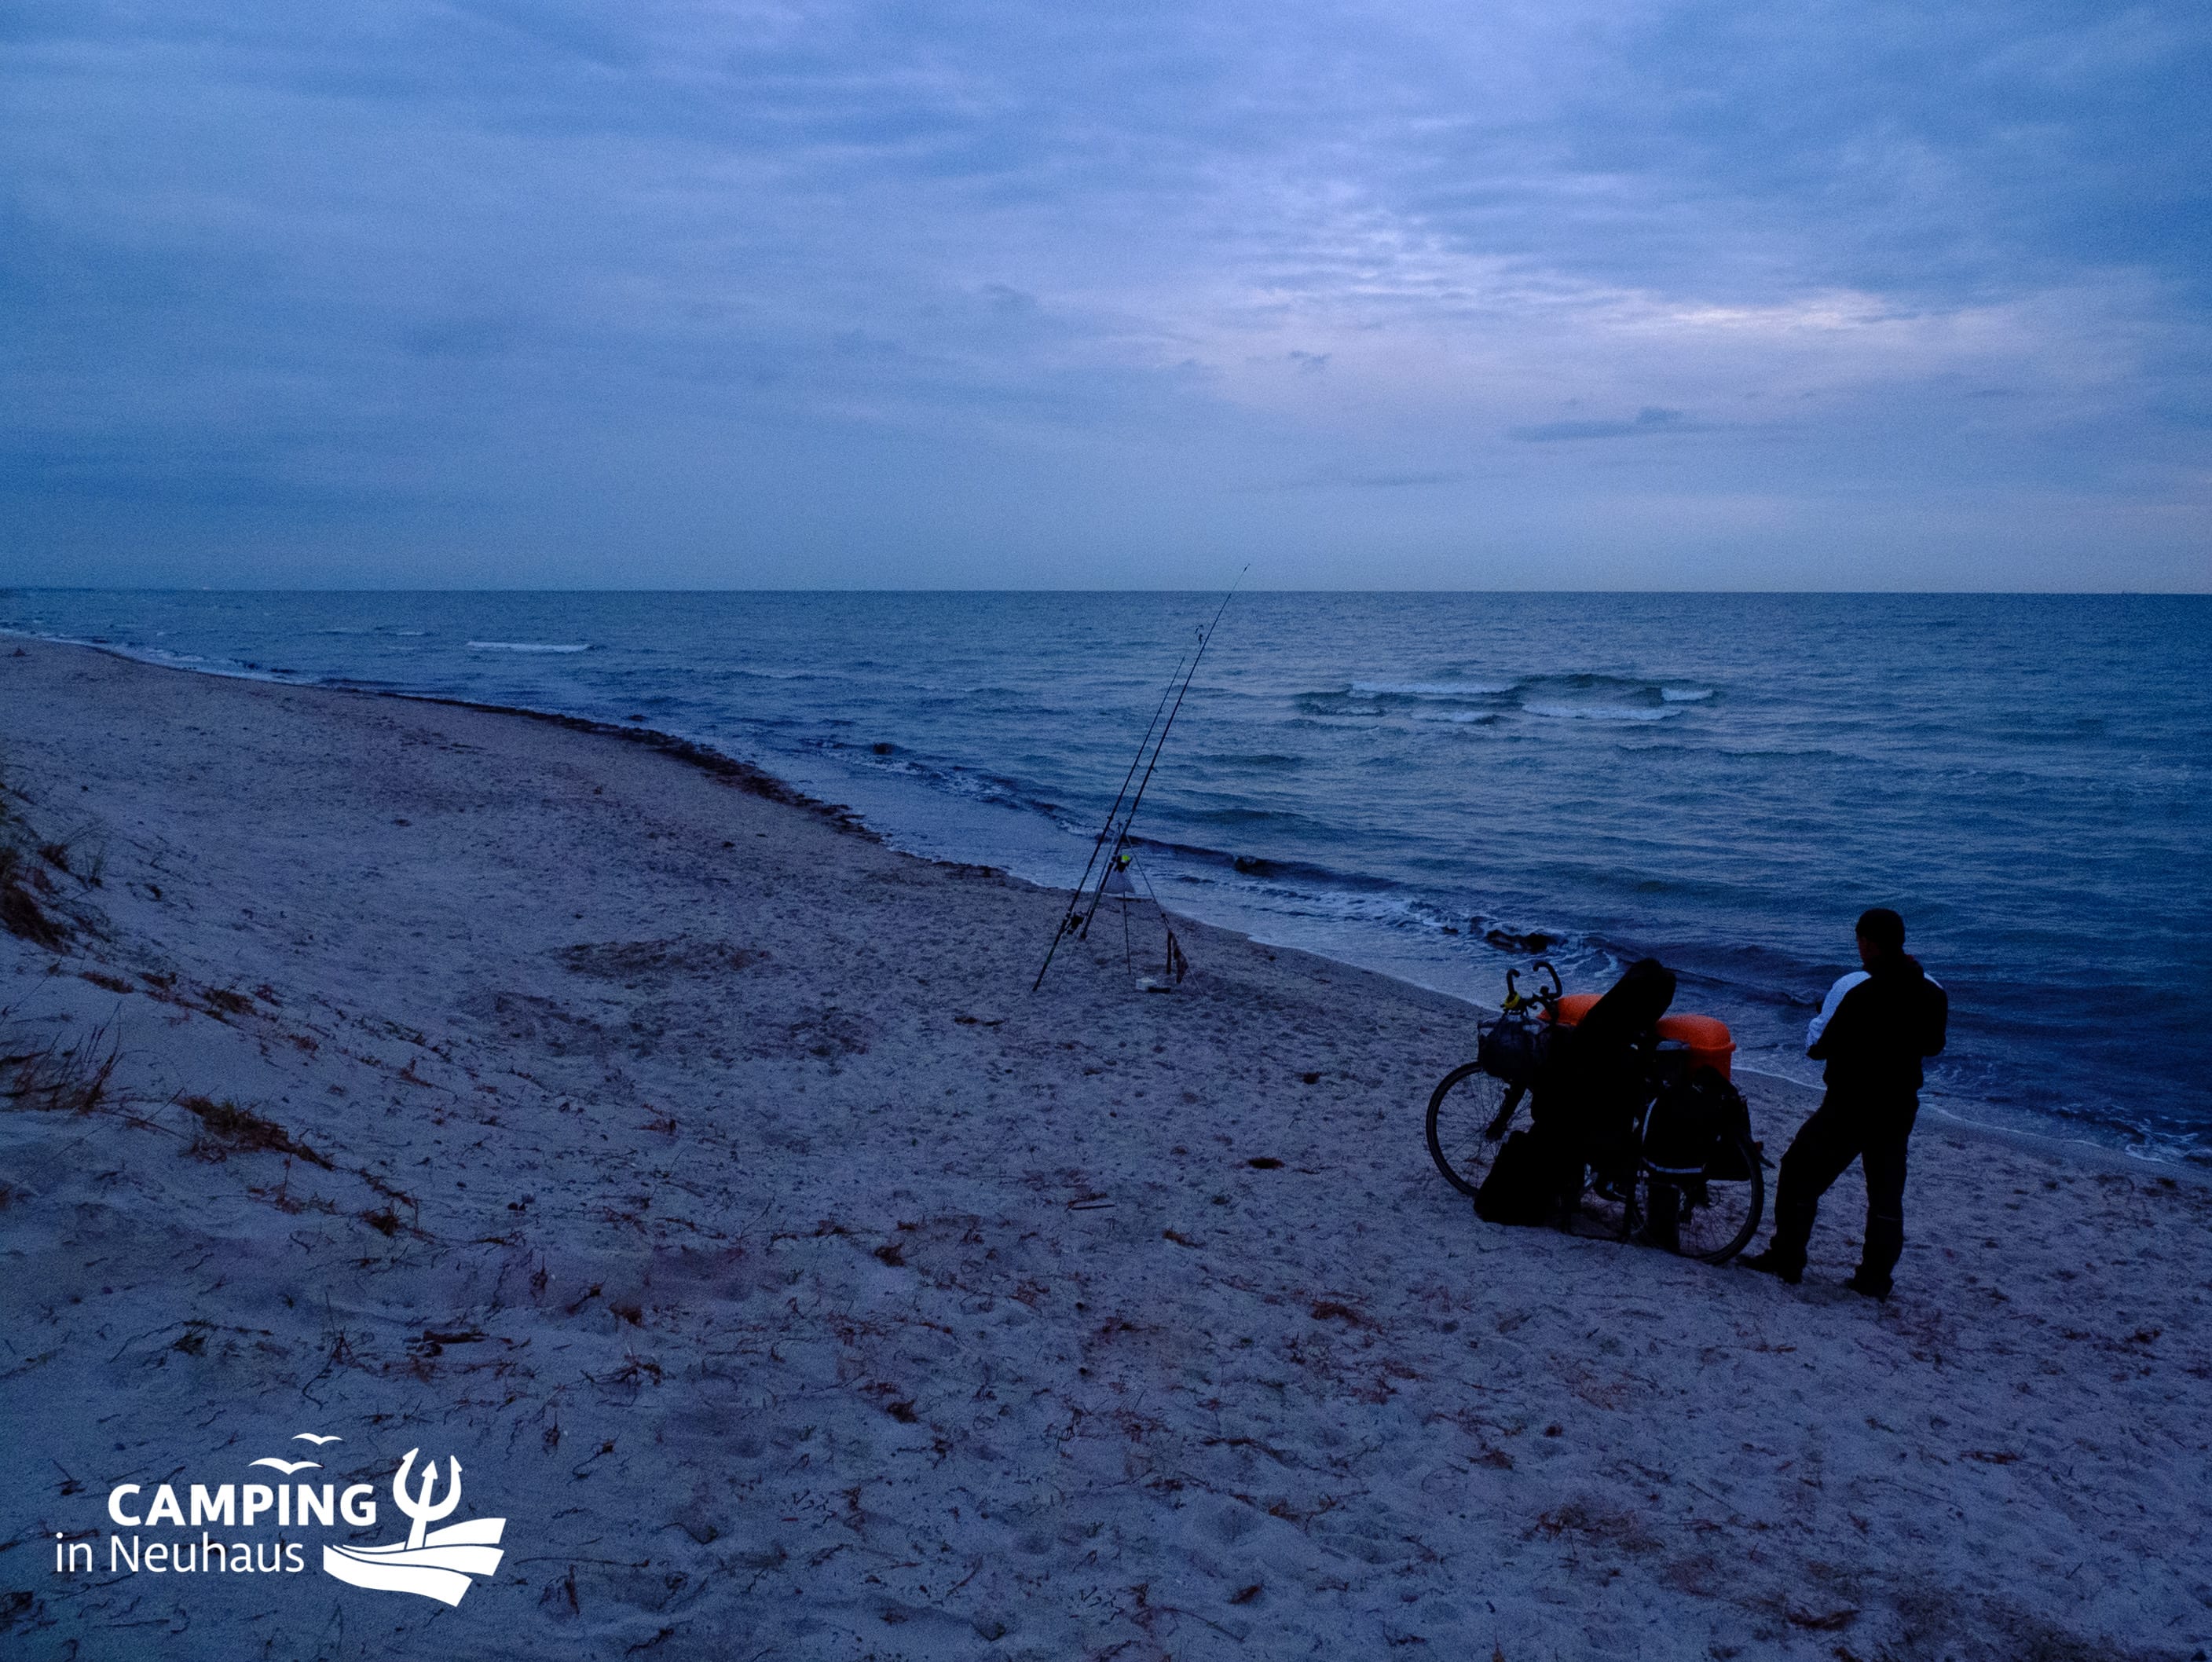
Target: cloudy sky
(1653, 293)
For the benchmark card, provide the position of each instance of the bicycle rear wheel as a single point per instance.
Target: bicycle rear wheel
(1471, 1114)
(1609, 1208)
(1709, 1218)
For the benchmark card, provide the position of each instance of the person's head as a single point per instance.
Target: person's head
(1881, 936)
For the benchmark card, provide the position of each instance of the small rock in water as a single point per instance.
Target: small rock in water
(1536, 941)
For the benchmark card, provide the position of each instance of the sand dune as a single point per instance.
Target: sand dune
(701, 1175)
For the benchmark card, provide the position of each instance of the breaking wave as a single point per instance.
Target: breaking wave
(1597, 711)
(1590, 696)
(1431, 688)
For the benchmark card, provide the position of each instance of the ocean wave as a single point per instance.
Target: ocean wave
(883, 757)
(1242, 815)
(1598, 712)
(1271, 761)
(1431, 688)
(739, 672)
(526, 646)
(1576, 696)
(1263, 871)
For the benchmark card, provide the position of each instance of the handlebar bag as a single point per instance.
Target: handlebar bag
(1512, 1048)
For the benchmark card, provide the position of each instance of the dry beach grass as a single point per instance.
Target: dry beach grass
(700, 1172)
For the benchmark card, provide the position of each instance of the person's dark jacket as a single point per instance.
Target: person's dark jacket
(1887, 1020)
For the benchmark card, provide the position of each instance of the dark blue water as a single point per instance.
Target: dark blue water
(1723, 781)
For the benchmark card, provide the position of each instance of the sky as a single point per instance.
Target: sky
(1666, 295)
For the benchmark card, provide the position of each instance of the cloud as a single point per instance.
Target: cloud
(1650, 419)
(1329, 479)
(752, 285)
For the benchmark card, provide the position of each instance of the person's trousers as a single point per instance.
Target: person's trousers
(1873, 1133)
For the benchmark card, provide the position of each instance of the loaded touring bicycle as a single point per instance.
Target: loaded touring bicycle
(1603, 1115)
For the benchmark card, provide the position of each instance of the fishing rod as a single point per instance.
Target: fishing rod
(1128, 819)
(1067, 923)
(1075, 900)
(1120, 840)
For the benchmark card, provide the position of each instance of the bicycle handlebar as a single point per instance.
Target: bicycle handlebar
(1515, 999)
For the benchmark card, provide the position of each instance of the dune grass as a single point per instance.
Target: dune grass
(57, 1076)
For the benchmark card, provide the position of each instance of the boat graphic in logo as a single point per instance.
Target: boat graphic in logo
(432, 1563)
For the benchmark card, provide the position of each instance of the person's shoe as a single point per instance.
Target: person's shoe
(1862, 1284)
(1771, 1263)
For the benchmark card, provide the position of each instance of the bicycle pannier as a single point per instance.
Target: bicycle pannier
(1735, 1135)
(1523, 1184)
(1682, 1127)
(1698, 1127)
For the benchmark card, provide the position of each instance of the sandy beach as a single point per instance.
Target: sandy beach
(703, 1175)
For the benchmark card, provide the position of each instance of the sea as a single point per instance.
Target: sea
(1422, 784)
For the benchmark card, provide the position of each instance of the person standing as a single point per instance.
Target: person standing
(1874, 1029)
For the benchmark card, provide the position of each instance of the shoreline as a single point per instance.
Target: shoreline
(701, 1175)
(752, 776)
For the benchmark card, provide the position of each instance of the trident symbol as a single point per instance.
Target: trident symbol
(419, 1508)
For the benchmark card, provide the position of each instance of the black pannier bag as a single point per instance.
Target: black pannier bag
(1682, 1126)
(1512, 1048)
(1697, 1127)
(1728, 1160)
(1524, 1182)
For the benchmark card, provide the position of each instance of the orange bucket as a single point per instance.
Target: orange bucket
(1575, 1006)
(1707, 1037)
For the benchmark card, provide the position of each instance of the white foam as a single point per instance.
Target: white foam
(1685, 695)
(1596, 712)
(1430, 688)
(526, 647)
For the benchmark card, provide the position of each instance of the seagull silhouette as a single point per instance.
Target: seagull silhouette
(287, 1467)
(310, 1437)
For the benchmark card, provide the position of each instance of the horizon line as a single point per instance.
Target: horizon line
(950, 589)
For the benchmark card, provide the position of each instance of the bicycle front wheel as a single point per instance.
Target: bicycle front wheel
(1471, 1114)
(1708, 1217)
